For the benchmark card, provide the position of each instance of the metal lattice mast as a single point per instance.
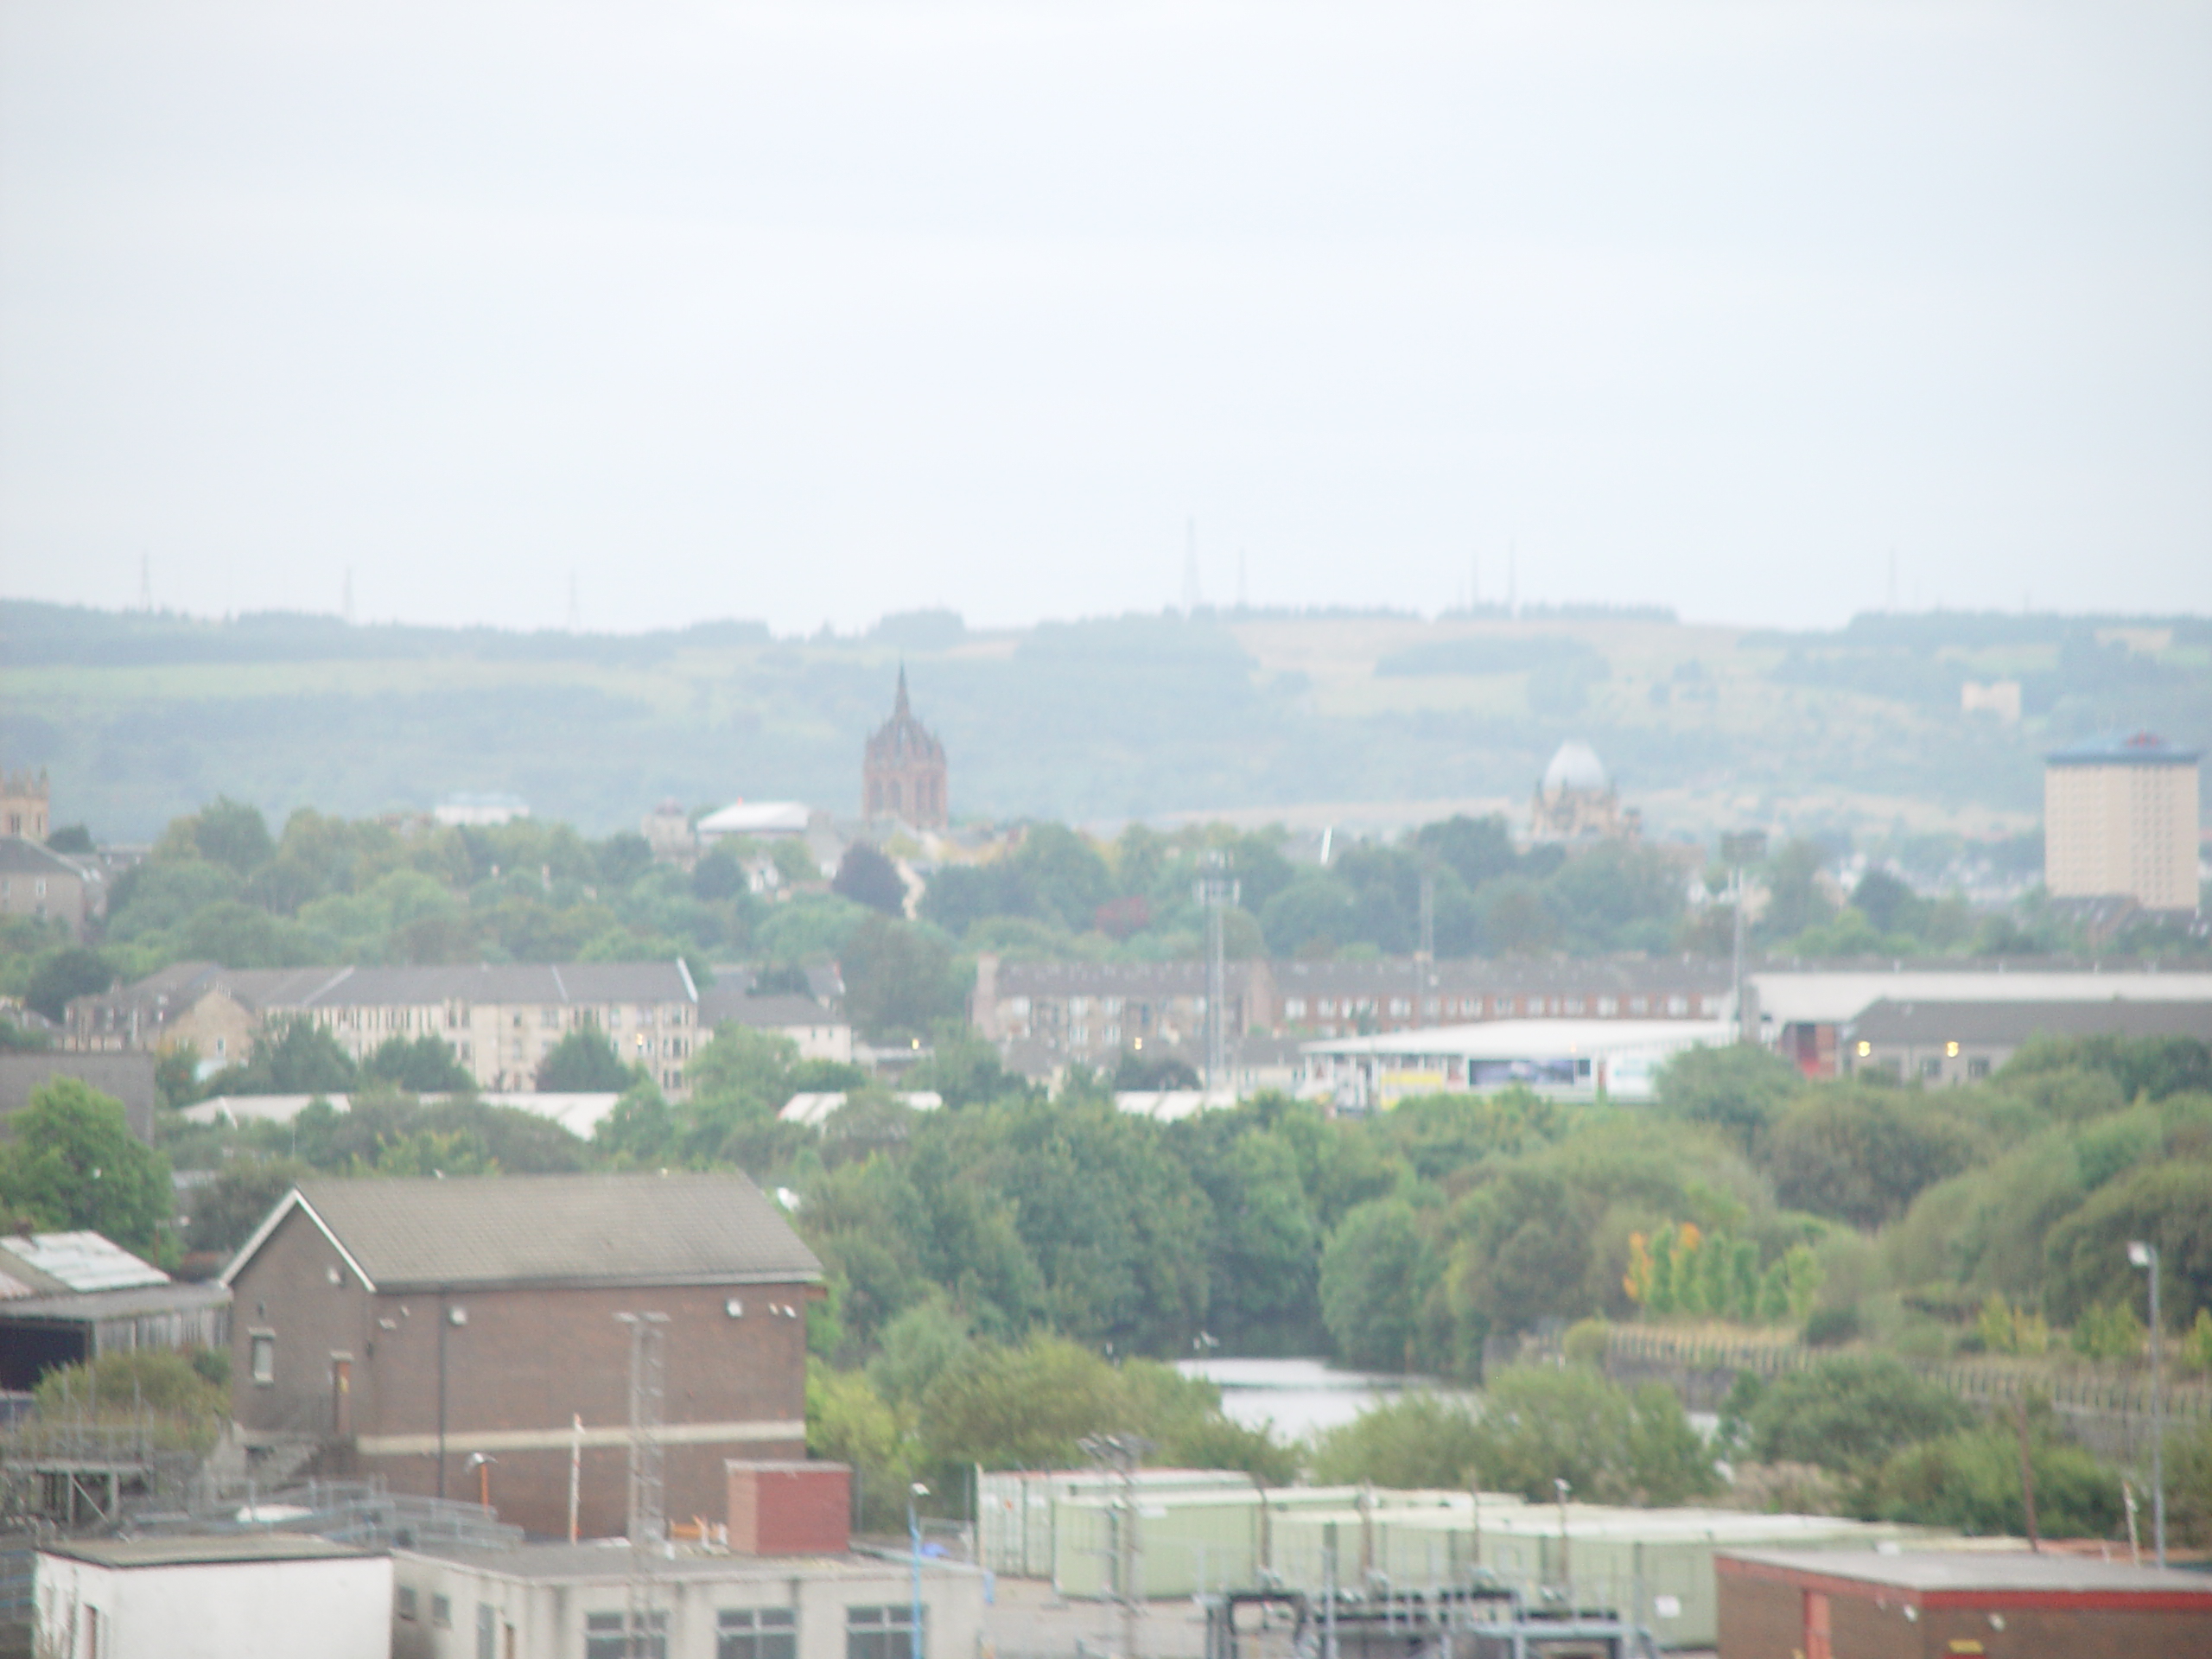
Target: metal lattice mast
(648, 1519)
(1215, 890)
(1123, 1454)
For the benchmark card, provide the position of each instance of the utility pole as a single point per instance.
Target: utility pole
(1215, 890)
(1737, 849)
(648, 1523)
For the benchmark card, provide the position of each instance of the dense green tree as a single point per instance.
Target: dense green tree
(1522, 1253)
(1261, 1244)
(1477, 850)
(866, 877)
(1023, 1408)
(231, 834)
(163, 893)
(423, 1065)
(583, 1063)
(60, 977)
(1375, 1272)
(1413, 1439)
(1612, 1445)
(1860, 1154)
(2169, 1205)
(1795, 898)
(1313, 909)
(1739, 1088)
(899, 980)
(1065, 872)
(74, 1164)
(226, 1210)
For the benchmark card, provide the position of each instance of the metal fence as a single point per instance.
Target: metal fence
(2082, 1386)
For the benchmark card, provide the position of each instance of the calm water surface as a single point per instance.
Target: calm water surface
(1300, 1396)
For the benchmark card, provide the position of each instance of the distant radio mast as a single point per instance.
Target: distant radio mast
(1190, 567)
(345, 598)
(146, 582)
(575, 612)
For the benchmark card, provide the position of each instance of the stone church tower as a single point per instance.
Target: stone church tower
(902, 773)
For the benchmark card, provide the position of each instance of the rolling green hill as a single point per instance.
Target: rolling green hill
(140, 717)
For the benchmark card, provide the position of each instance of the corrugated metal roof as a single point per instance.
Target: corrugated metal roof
(600, 1230)
(81, 1262)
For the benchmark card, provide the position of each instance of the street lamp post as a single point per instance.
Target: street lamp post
(2143, 1254)
(914, 1539)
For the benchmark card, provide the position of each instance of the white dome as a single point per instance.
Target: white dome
(1575, 766)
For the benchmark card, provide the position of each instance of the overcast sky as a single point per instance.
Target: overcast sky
(811, 311)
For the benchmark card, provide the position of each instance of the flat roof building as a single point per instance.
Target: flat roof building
(241, 1595)
(1576, 1059)
(2120, 818)
(573, 1601)
(1933, 1605)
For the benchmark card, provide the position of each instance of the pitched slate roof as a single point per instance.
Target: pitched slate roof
(551, 1231)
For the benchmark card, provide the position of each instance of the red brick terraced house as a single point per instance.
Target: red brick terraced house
(411, 1325)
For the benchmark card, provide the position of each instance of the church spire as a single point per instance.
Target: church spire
(902, 712)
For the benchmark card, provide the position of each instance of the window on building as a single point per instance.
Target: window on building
(882, 1632)
(1401, 1005)
(403, 1601)
(442, 1612)
(488, 1631)
(262, 1365)
(1977, 1067)
(1574, 1005)
(756, 1633)
(1608, 1007)
(1078, 1034)
(603, 1638)
(1639, 1005)
(1932, 1066)
(1678, 1006)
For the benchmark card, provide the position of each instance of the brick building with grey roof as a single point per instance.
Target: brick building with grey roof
(412, 1323)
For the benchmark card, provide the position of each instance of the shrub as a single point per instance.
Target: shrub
(2111, 1331)
(1850, 1413)
(1831, 1327)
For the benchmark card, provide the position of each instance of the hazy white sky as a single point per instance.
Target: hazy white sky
(814, 310)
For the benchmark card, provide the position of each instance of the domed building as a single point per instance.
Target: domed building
(903, 771)
(1577, 801)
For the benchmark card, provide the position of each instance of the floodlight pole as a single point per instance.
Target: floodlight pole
(1737, 849)
(2143, 1254)
(914, 1539)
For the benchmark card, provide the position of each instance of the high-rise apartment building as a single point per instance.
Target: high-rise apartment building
(2119, 819)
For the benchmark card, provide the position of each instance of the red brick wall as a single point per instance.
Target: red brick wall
(286, 1289)
(526, 1360)
(1760, 1618)
(790, 1509)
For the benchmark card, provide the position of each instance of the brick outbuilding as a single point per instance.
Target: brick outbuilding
(1935, 1603)
(415, 1324)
